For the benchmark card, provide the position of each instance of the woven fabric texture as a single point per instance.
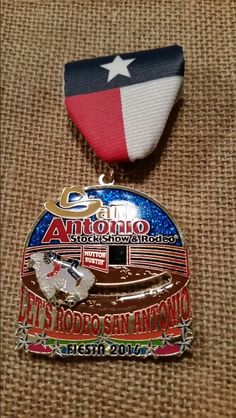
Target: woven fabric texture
(191, 173)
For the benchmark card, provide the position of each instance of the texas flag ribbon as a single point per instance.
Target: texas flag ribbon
(121, 103)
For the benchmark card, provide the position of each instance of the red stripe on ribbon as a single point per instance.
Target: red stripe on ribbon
(99, 117)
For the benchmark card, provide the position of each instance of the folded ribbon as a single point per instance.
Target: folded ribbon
(121, 103)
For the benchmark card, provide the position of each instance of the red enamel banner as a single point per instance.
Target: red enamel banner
(95, 258)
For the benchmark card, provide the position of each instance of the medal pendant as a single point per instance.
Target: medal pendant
(104, 273)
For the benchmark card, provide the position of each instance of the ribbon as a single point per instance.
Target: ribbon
(121, 103)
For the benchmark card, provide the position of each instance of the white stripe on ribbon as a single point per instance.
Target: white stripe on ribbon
(146, 108)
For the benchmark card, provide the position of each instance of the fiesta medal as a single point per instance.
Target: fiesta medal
(105, 268)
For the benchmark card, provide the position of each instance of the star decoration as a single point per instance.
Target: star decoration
(184, 344)
(150, 349)
(41, 338)
(23, 328)
(102, 339)
(22, 343)
(56, 349)
(185, 326)
(165, 339)
(118, 66)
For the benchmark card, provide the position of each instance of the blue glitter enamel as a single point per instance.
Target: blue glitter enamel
(159, 220)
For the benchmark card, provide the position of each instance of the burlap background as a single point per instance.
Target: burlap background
(191, 174)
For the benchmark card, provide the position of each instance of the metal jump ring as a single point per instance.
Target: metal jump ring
(106, 181)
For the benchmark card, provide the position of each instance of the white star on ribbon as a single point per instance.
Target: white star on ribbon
(118, 66)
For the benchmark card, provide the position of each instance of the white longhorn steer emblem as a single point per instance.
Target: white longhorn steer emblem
(55, 274)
